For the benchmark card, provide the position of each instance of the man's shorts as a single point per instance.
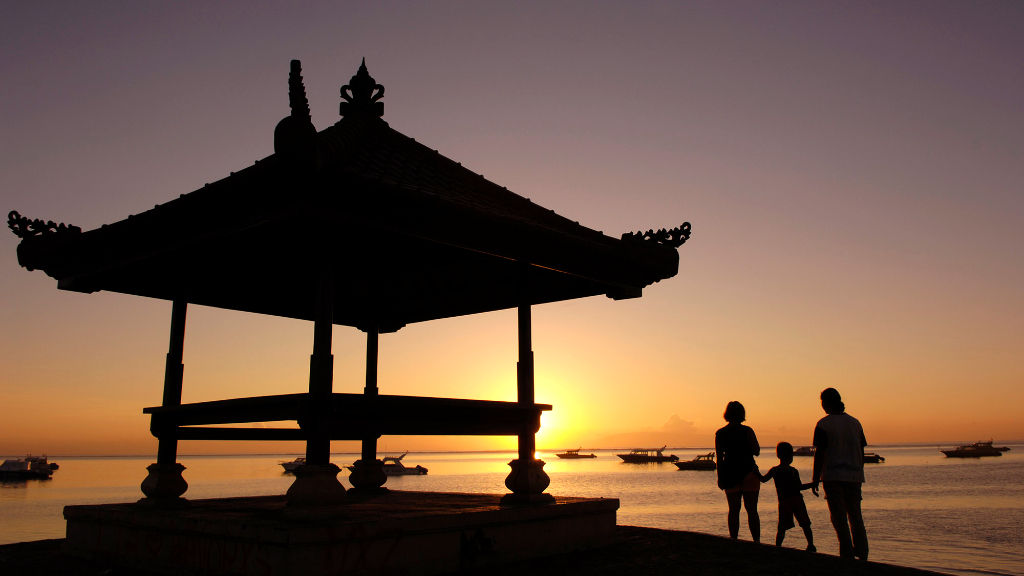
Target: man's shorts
(750, 483)
(793, 506)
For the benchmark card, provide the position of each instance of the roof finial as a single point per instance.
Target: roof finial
(295, 135)
(361, 94)
(297, 93)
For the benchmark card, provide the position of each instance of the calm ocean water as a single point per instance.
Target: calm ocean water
(921, 509)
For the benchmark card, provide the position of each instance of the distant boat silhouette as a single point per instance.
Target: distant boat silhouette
(571, 454)
(702, 462)
(393, 467)
(291, 466)
(30, 467)
(976, 450)
(644, 455)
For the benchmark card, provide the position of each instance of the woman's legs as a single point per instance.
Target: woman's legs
(753, 520)
(734, 513)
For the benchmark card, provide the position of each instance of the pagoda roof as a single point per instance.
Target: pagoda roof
(408, 234)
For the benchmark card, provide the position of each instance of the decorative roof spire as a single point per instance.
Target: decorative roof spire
(297, 93)
(295, 135)
(361, 95)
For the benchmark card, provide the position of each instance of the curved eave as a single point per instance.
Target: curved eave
(440, 227)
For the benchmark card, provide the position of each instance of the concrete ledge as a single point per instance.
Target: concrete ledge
(414, 533)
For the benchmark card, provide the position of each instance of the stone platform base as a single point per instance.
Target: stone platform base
(397, 532)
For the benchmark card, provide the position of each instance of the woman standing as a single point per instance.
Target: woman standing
(735, 448)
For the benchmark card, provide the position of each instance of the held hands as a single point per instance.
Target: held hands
(814, 489)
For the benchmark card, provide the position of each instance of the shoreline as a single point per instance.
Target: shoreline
(638, 552)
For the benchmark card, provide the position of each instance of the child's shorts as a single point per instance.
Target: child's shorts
(793, 506)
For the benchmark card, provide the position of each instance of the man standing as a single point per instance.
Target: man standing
(839, 463)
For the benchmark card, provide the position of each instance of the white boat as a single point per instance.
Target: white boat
(393, 467)
(291, 466)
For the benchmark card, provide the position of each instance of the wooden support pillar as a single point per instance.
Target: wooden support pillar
(527, 480)
(321, 369)
(368, 472)
(174, 373)
(372, 341)
(524, 379)
(164, 485)
(316, 487)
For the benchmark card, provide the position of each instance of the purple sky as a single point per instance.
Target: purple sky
(853, 172)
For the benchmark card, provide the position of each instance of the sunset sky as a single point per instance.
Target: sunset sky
(854, 174)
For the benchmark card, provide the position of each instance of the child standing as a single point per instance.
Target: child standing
(791, 502)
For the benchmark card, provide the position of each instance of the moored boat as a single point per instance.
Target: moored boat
(976, 450)
(571, 454)
(291, 466)
(393, 466)
(31, 467)
(988, 446)
(646, 455)
(41, 461)
(702, 462)
(803, 451)
(872, 458)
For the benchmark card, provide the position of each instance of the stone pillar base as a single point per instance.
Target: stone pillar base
(368, 476)
(164, 486)
(316, 486)
(175, 504)
(527, 481)
(524, 499)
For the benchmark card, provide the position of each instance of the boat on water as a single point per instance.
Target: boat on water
(976, 450)
(571, 454)
(872, 458)
(30, 467)
(645, 455)
(393, 466)
(803, 451)
(988, 446)
(702, 462)
(291, 466)
(41, 461)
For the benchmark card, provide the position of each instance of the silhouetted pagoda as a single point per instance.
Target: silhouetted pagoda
(356, 225)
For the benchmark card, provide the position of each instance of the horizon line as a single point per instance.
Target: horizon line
(508, 450)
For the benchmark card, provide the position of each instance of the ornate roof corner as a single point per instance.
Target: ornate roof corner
(675, 237)
(295, 135)
(361, 95)
(25, 228)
